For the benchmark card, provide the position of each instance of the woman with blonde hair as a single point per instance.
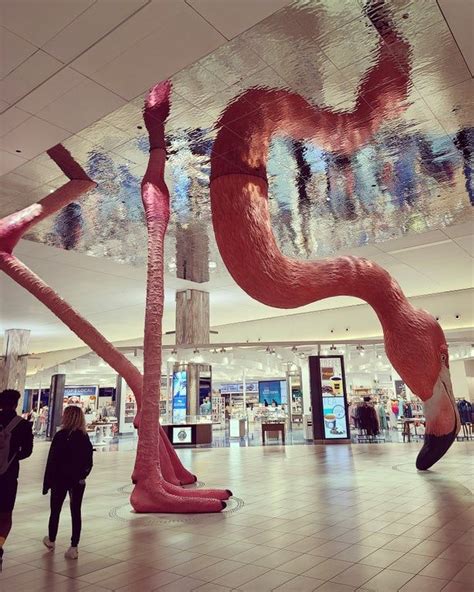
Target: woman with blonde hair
(69, 463)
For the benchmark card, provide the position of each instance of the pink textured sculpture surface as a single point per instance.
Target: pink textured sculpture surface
(166, 465)
(152, 493)
(414, 341)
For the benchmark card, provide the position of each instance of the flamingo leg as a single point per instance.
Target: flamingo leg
(152, 493)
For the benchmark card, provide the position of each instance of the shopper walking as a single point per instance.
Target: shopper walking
(69, 463)
(16, 443)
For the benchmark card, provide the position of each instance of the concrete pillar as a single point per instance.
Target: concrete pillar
(192, 402)
(192, 317)
(56, 404)
(13, 368)
(192, 328)
(306, 386)
(192, 252)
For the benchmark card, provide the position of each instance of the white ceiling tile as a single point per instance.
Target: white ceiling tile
(89, 27)
(161, 54)
(38, 21)
(34, 170)
(411, 240)
(55, 87)
(32, 72)
(448, 264)
(9, 162)
(17, 183)
(14, 50)
(139, 26)
(466, 243)
(232, 18)
(32, 137)
(10, 119)
(460, 229)
(81, 106)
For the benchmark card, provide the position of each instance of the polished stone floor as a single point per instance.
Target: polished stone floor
(332, 519)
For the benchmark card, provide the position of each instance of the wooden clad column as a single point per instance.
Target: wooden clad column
(14, 361)
(192, 317)
(192, 328)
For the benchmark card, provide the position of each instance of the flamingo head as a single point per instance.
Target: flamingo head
(419, 353)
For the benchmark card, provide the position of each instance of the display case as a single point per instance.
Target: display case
(191, 431)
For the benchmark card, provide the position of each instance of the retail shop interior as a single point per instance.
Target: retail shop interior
(255, 394)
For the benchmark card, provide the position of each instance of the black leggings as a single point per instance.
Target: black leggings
(58, 495)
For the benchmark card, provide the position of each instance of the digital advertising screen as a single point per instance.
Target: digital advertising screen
(334, 407)
(270, 391)
(179, 396)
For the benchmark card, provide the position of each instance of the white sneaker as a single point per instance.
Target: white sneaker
(72, 553)
(47, 543)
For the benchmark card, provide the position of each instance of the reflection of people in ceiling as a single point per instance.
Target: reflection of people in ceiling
(192, 239)
(68, 226)
(340, 186)
(304, 202)
(464, 142)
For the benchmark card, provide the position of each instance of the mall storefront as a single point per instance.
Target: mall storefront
(252, 395)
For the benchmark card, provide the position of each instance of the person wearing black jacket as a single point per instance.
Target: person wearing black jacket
(21, 446)
(69, 463)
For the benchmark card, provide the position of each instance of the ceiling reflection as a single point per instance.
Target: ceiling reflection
(413, 174)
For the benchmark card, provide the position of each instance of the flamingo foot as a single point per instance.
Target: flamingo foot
(150, 496)
(220, 494)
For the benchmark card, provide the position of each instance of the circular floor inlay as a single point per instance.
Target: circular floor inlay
(125, 513)
(450, 476)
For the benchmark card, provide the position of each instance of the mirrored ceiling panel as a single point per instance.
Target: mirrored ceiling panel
(403, 166)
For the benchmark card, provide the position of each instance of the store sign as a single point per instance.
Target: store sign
(80, 391)
(334, 408)
(85, 397)
(238, 388)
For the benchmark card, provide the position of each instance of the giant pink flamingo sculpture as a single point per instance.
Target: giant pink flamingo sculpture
(241, 222)
(414, 341)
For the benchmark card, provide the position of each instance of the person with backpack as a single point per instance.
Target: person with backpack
(16, 443)
(69, 463)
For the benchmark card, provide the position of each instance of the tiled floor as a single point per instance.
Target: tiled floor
(331, 519)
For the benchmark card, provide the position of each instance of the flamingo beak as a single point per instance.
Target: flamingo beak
(434, 448)
(442, 422)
